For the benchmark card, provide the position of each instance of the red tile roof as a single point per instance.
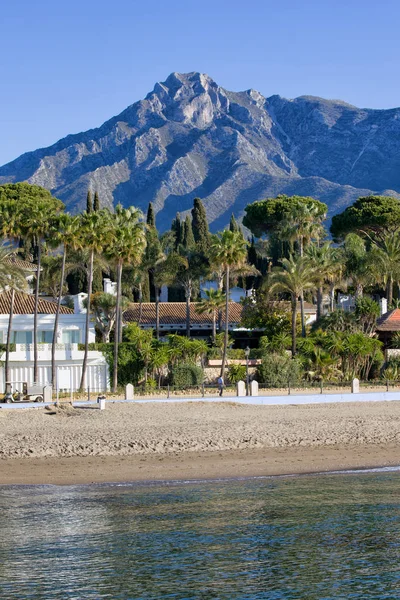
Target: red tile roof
(24, 304)
(174, 313)
(390, 321)
(25, 265)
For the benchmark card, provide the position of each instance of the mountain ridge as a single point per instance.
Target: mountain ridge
(190, 137)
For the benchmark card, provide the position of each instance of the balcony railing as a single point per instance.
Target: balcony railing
(45, 347)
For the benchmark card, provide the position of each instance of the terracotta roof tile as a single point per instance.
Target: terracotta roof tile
(23, 264)
(24, 304)
(390, 321)
(174, 313)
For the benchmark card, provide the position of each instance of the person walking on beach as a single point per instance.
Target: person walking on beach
(220, 385)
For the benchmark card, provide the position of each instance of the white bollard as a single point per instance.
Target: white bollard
(254, 388)
(240, 388)
(355, 386)
(101, 401)
(129, 392)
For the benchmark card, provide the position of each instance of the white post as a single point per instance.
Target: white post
(240, 388)
(129, 392)
(254, 388)
(355, 386)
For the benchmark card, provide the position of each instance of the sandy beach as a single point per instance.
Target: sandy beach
(135, 442)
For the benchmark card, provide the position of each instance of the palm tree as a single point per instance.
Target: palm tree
(128, 244)
(35, 224)
(296, 276)
(65, 232)
(324, 260)
(302, 225)
(211, 305)
(228, 250)
(385, 257)
(94, 231)
(12, 277)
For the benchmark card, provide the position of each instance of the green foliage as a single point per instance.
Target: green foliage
(369, 214)
(395, 341)
(266, 216)
(233, 224)
(188, 238)
(96, 202)
(130, 363)
(150, 218)
(200, 226)
(3, 348)
(182, 348)
(236, 373)
(89, 202)
(271, 316)
(186, 375)
(277, 370)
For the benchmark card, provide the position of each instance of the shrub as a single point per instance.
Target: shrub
(130, 364)
(236, 373)
(186, 375)
(276, 370)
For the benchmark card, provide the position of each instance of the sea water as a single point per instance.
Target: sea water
(317, 537)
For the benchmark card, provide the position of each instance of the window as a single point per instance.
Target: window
(22, 337)
(45, 337)
(70, 336)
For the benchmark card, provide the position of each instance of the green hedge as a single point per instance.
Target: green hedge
(3, 348)
(186, 375)
(130, 364)
(276, 370)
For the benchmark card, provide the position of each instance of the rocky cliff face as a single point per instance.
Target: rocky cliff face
(189, 137)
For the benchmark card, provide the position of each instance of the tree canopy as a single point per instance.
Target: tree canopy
(266, 216)
(369, 214)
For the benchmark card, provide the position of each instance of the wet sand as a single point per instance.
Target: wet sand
(137, 442)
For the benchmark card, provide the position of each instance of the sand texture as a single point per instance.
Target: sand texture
(219, 438)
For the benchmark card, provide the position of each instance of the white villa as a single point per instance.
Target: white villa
(71, 332)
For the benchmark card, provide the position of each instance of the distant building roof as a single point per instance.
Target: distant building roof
(390, 321)
(25, 265)
(174, 313)
(24, 304)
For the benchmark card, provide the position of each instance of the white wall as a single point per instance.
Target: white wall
(46, 323)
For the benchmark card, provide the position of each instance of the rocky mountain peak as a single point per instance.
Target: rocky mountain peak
(190, 137)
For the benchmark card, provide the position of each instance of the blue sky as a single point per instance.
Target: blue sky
(69, 65)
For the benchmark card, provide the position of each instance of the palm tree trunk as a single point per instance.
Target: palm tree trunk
(294, 319)
(10, 320)
(187, 298)
(214, 327)
(157, 290)
(389, 292)
(85, 356)
(35, 317)
(359, 291)
(53, 345)
(332, 298)
(224, 355)
(140, 303)
(117, 327)
(319, 302)
(303, 320)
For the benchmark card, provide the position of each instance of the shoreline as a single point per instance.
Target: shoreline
(192, 441)
(195, 466)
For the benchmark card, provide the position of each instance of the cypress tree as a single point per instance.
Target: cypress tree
(146, 288)
(96, 203)
(199, 224)
(188, 240)
(150, 219)
(233, 224)
(177, 228)
(89, 203)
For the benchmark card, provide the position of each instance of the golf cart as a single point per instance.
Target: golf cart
(29, 393)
